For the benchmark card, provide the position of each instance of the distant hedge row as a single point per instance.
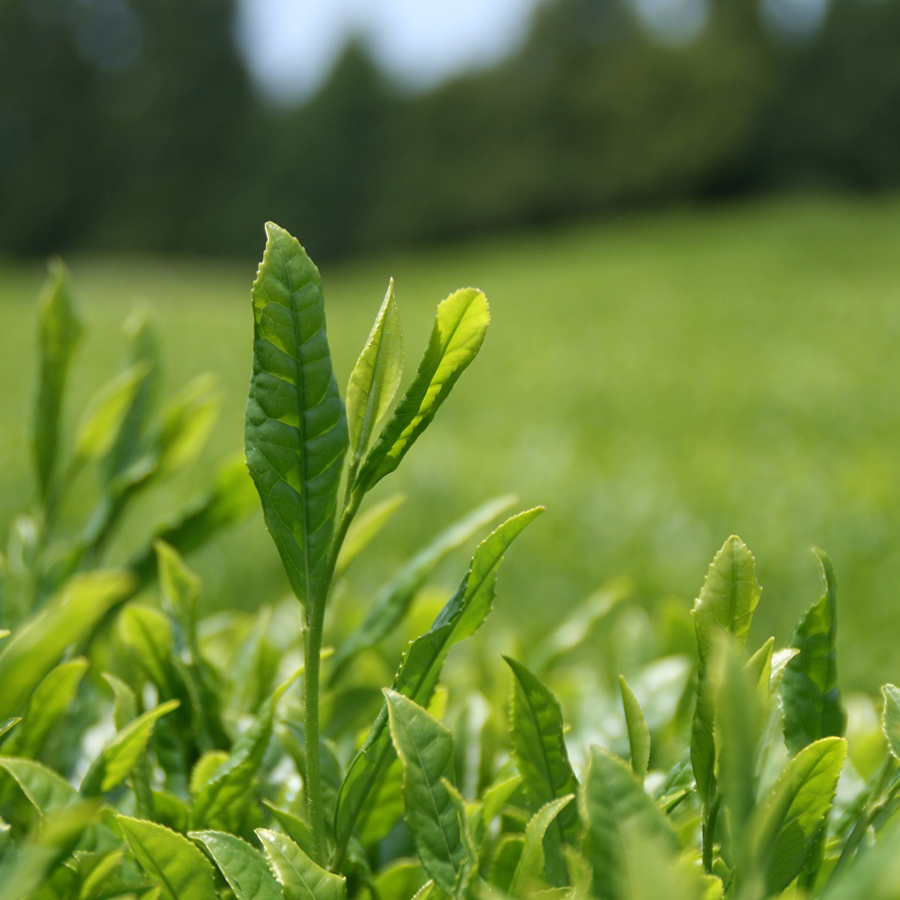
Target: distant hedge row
(133, 124)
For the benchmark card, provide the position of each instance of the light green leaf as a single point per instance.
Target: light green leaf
(392, 602)
(812, 701)
(45, 789)
(296, 430)
(365, 528)
(530, 869)
(102, 417)
(52, 698)
(125, 708)
(638, 731)
(146, 634)
(759, 670)
(180, 589)
(119, 757)
(619, 816)
(231, 499)
(425, 748)
(60, 332)
(375, 378)
(726, 603)
(66, 620)
(539, 749)
(459, 329)
(788, 824)
(421, 667)
(294, 827)
(299, 876)
(244, 868)
(187, 421)
(890, 718)
(222, 801)
(171, 860)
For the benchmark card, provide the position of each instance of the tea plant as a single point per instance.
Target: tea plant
(148, 752)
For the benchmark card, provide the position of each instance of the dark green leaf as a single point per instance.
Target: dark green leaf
(296, 430)
(812, 701)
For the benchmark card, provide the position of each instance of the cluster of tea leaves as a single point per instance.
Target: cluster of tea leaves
(147, 751)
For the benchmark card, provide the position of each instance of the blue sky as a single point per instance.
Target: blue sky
(291, 44)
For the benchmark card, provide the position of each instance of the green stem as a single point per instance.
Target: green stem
(709, 833)
(312, 643)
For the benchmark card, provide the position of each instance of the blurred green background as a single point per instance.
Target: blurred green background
(689, 239)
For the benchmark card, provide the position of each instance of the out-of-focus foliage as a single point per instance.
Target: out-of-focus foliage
(133, 124)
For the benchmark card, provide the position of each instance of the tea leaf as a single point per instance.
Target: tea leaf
(300, 877)
(45, 789)
(66, 619)
(60, 332)
(789, 823)
(421, 667)
(812, 701)
(890, 718)
(638, 731)
(296, 430)
(375, 378)
(530, 868)
(425, 748)
(726, 603)
(105, 412)
(119, 757)
(187, 421)
(50, 701)
(619, 816)
(365, 528)
(221, 801)
(171, 860)
(460, 325)
(539, 749)
(244, 868)
(392, 602)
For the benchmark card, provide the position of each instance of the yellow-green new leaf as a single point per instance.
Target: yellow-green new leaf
(375, 378)
(726, 604)
(539, 750)
(812, 700)
(788, 825)
(244, 867)
(619, 817)
(170, 860)
(296, 429)
(60, 332)
(99, 424)
(45, 788)
(890, 718)
(120, 756)
(421, 667)
(529, 872)
(459, 330)
(299, 876)
(66, 619)
(638, 731)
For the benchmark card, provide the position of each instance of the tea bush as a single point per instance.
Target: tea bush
(149, 752)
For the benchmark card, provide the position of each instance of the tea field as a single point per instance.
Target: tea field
(658, 381)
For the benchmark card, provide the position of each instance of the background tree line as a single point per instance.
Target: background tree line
(134, 125)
